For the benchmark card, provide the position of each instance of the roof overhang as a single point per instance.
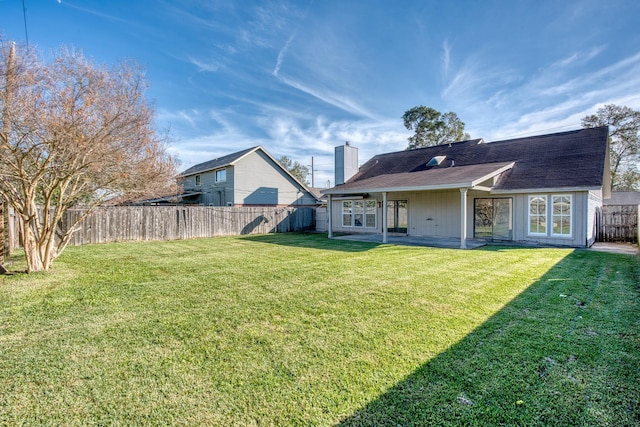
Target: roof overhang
(545, 190)
(450, 178)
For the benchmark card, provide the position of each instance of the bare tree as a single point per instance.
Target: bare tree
(72, 133)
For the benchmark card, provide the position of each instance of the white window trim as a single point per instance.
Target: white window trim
(225, 175)
(342, 203)
(364, 214)
(570, 215)
(546, 214)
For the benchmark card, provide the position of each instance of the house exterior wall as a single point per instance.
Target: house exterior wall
(594, 203)
(437, 213)
(214, 193)
(578, 217)
(259, 181)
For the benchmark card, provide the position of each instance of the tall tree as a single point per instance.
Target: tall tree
(72, 133)
(432, 127)
(624, 144)
(297, 169)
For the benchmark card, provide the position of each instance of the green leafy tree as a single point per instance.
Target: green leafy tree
(432, 127)
(624, 143)
(300, 171)
(72, 133)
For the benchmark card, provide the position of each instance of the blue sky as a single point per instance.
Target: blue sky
(300, 77)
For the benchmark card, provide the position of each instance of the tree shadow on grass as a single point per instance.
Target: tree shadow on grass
(558, 354)
(312, 240)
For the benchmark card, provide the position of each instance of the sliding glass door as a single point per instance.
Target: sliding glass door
(493, 219)
(397, 216)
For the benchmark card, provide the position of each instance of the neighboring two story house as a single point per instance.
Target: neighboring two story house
(543, 189)
(250, 177)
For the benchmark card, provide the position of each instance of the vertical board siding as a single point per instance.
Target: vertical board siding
(617, 223)
(146, 223)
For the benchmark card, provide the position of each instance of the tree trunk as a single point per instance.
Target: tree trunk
(32, 251)
(3, 233)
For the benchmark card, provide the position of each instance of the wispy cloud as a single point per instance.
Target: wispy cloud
(95, 12)
(282, 54)
(343, 102)
(446, 58)
(204, 66)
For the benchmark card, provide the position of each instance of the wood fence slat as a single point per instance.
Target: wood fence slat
(145, 223)
(617, 223)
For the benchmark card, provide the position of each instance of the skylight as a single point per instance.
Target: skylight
(435, 161)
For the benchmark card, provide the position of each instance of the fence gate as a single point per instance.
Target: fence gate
(617, 223)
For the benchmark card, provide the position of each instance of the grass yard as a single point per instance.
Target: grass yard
(285, 330)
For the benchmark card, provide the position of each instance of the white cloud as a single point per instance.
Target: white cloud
(204, 66)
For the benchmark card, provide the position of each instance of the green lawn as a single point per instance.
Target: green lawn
(301, 330)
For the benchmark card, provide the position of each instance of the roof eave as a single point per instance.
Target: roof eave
(546, 190)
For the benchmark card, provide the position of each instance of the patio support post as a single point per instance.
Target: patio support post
(329, 216)
(463, 218)
(384, 217)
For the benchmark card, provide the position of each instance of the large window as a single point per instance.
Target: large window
(359, 213)
(561, 216)
(538, 215)
(554, 210)
(221, 175)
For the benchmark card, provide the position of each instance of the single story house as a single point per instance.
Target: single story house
(250, 177)
(542, 189)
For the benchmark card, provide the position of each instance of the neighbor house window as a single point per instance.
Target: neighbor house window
(197, 179)
(221, 175)
(359, 213)
(538, 215)
(561, 214)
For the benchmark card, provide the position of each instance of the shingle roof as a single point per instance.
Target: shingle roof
(574, 159)
(218, 162)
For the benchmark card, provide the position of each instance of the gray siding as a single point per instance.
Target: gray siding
(215, 193)
(258, 181)
(437, 213)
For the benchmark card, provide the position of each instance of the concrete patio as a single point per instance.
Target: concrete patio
(434, 242)
(454, 243)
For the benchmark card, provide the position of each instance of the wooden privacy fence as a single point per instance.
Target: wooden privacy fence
(142, 223)
(617, 223)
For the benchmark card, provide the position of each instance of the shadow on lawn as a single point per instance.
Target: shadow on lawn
(543, 359)
(312, 240)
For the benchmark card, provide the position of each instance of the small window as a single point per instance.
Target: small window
(198, 180)
(221, 175)
(538, 215)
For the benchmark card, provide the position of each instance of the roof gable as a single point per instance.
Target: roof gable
(219, 162)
